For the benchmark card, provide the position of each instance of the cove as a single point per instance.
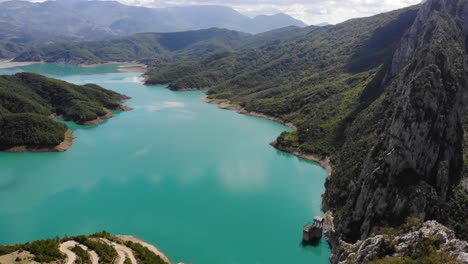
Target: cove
(200, 183)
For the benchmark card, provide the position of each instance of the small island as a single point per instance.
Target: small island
(100, 247)
(30, 103)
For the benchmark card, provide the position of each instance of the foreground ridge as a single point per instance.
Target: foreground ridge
(101, 247)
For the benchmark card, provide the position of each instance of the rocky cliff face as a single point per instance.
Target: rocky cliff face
(430, 238)
(411, 138)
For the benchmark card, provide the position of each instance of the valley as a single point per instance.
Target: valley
(379, 102)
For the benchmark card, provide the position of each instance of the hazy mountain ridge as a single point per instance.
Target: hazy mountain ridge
(70, 20)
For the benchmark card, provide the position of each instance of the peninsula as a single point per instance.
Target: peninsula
(29, 103)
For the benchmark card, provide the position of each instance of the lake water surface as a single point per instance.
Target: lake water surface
(200, 183)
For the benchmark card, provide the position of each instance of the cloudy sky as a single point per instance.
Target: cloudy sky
(309, 11)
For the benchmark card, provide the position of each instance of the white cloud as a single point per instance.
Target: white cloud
(158, 106)
(309, 11)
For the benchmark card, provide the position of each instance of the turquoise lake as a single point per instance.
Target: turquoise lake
(202, 184)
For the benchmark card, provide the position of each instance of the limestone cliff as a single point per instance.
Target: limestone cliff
(403, 154)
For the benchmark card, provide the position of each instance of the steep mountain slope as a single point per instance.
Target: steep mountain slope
(9, 50)
(383, 97)
(27, 99)
(403, 155)
(78, 20)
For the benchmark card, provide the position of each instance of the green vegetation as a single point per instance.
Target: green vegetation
(44, 250)
(143, 254)
(159, 48)
(315, 80)
(27, 99)
(106, 253)
(7, 249)
(82, 255)
(456, 212)
(9, 50)
(411, 224)
(154, 47)
(30, 130)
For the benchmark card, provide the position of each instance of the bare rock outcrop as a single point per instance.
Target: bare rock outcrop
(442, 240)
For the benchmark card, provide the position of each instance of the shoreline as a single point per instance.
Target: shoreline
(329, 229)
(5, 64)
(149, 246)
(123, 66)
(226, 105)
(324, 163)
(65, 145)
(97, 121)
(132, 67)
(105, 117)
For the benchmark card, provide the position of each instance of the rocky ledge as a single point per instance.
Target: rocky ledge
(429, 240)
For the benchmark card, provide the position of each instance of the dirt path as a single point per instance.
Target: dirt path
(92, 254)
(148, 246)
(65, 248)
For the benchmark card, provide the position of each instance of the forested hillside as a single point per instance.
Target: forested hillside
(10, 50)
(27, 100)
(154, 46)
(314, 82)
(159, 48)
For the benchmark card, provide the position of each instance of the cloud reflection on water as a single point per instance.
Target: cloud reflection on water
(242, 175)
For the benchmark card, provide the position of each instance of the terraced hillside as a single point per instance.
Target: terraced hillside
(101, 247)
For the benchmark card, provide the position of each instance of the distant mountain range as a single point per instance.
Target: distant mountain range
(75, 20)
(323, 24)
